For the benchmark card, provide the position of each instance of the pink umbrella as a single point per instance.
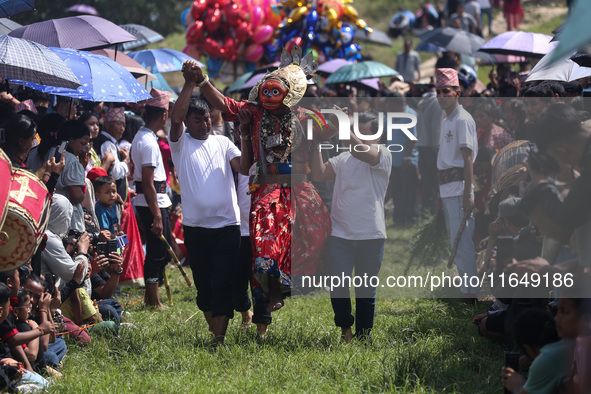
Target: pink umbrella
(83, 9)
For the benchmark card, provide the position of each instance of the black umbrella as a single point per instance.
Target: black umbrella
(144, 35)
(377, 37)
(582, 59)
(454, 40)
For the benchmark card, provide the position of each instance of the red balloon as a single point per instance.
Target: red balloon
(212, 47)
(228, 48)
(223, 3)
(213, 20)
(198, 8)
(195, 32)
(298, 41)
(292, 43)
(232, 14)
(243, 32)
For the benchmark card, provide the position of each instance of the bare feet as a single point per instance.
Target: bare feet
(262, 330)
(156, 308)
(346, 335)
(275, 304)
(246, 319)
(54, 373)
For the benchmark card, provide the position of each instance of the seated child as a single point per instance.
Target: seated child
(105, 191)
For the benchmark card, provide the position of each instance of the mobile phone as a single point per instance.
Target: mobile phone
(106, 248)
(59, 152)
(511, 361)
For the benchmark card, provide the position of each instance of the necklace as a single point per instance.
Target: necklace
(277, 134)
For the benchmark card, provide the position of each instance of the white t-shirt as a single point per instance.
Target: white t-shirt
(358, 198)
(206, 180)
(244, 204)
(473, 8)
(145, 152)
(458, 130)
(484, 4)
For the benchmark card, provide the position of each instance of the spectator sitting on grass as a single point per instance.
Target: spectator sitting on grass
(550, 345)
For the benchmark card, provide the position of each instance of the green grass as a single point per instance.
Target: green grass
(419, 345)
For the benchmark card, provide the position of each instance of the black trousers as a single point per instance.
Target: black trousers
(429, 181)
(156, 252)
(213, 254)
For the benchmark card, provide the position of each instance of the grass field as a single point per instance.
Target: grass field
(419, 345)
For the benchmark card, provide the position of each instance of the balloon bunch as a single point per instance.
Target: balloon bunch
(229, 30)
(325, 25)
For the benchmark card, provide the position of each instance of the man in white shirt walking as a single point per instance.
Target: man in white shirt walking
(152, 202)
(211, 216)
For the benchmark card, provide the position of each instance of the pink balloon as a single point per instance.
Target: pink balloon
(256, 16)
(253, 52)
(262, 34)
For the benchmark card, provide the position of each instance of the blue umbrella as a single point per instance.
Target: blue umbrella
(102, 79)
(161, 60)
(13, 7)
(28, 61)
(429, 47)
(237, 85)
(161, 84)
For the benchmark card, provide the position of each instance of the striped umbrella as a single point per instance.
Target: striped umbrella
(84, 32)
(28, 61)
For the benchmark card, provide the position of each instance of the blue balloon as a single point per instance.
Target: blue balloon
(183, 15)
(310, 25)
(347, 34)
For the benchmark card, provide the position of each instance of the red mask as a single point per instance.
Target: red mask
(271, 93)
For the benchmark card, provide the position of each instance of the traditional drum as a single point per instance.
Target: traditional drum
(507, 165)
(5, 180)
(26, 221)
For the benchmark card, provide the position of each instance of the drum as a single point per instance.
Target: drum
(5, 180)
(26, 220)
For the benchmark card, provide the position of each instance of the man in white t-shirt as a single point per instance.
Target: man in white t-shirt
(358, 232)
(152, 202)
(455, 162)
(211, 217)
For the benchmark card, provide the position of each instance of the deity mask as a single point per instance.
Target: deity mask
(272, 92)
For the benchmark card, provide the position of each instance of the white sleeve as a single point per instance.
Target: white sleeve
(120, 169)
(232, 151)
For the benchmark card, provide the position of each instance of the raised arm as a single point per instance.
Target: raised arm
(179, 111)
(214, 96)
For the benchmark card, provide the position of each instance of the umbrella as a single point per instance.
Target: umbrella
(84, 32)
(519, 43)
(83, 9)
(257, 75)
(32, 62)
(362, 70)
(575, 35)
(563, 70)
(331, 66)
(252, 81)
(8, 25)
(237, 85)
(160, 83)
(376, 36)
(496, 59)
(130, 65)
(428, 47)
(161, 60)
(144, 35)
(102, 79)
(9, 8)
(582, 59)
(454, 40)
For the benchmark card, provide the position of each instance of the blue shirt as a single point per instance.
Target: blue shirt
(398, 137)
(107, 217)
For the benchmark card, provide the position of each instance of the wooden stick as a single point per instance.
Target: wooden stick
(167, 286)
(176, 261)
(454, 250)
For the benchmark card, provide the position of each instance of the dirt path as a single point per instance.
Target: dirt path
(535, 14)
